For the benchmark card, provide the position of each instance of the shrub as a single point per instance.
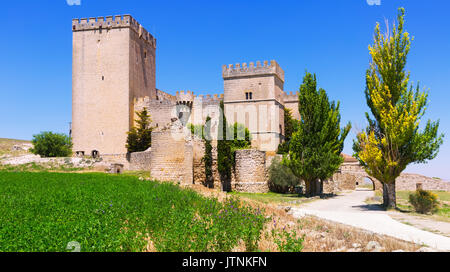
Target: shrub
(281, 178)
(288, 241)
(49, 144)
(242, 138)
(424, 201)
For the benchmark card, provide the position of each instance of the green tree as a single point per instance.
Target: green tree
(281, 178)
(242, 138)
(224, 153)
(290, 126)
(49, 144)
(140, 136)
(315, 148)
(392, 139)
(207, 159)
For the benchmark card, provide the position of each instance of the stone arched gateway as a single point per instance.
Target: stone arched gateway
(348, 176)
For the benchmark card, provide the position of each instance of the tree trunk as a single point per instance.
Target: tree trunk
(320, 187)
(389, 197)
(308, 188)
(313, 188)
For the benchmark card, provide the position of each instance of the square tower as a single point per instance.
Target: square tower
(253, 96)
(113, 63)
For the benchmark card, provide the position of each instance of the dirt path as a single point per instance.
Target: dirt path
(351, 209)
(438, 227)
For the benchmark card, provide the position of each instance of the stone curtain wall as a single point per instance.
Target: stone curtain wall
(116, 159)
(172, 157)
(352, 172)
(140, 161)
(250, 171)
(199, 165)
(407, 182)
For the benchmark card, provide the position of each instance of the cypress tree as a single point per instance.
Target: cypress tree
(140, 137)
(315, 148)
(224, 154)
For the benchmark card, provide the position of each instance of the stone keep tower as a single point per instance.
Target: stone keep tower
(253, 96)
(113, 64)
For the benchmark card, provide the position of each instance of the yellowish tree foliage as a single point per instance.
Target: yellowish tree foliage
(393, 139)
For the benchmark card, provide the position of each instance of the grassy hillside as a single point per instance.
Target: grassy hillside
(6, 146)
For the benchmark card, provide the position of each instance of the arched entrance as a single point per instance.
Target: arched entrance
(365, 183)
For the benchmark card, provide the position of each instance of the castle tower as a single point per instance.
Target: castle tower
(253, 96)
(113, 64)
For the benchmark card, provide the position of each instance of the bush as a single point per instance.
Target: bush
(242, 139)
(288, 241)
(49, 144)
(424, 201)
(281, 178)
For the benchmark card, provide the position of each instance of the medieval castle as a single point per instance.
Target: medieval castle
(114, 76)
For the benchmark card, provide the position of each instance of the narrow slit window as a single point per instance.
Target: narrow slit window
(246, 96)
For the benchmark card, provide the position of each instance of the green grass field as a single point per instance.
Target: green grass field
(44, 211)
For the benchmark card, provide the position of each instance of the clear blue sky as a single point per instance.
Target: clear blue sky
(195, 38)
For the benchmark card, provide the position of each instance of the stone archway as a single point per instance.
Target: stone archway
(363, 182)
(352, 173)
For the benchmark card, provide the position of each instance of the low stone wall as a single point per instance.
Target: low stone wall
(140, 161)
(250, 172)
(407, 182)
(351, 172)
(116, 159)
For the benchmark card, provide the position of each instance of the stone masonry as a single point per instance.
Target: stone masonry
(250, 172)
(113, 63)
(172, 155)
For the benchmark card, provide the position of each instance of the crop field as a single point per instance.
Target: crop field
(42, 211)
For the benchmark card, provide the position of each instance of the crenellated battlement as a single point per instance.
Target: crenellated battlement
(290, 97)
(111, 22)
(185, 97)
(209, 98)
(244, 70)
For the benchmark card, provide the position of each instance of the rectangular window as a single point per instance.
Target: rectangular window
(246, 96)
(251, 96)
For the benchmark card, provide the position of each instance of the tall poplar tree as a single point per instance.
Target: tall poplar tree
(316, 146)
(392, 139)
